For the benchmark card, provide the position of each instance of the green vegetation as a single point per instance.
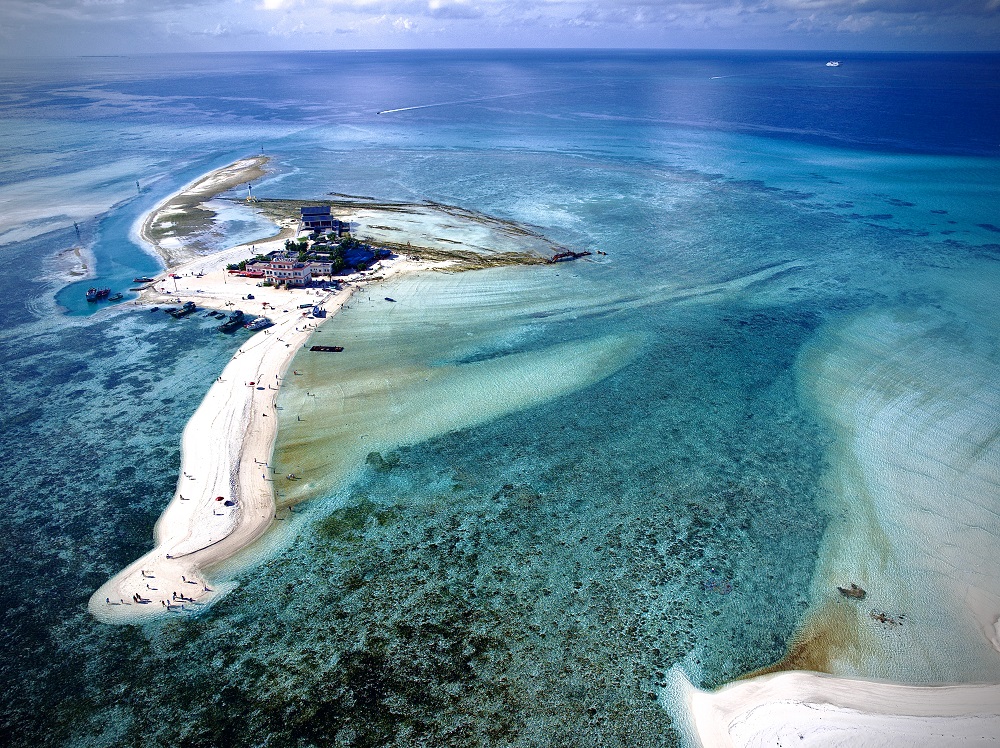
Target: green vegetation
(242, 264)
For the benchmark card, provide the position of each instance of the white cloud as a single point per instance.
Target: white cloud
(30, 25)
(855, 24)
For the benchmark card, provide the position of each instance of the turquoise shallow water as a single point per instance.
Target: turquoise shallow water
(528, 576)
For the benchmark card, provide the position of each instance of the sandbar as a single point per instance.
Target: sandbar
(914, 476)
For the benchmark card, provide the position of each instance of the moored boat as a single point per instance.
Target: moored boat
(143, 279)
(187, 308)
(258, 324)
(233, 323)
(96, 294)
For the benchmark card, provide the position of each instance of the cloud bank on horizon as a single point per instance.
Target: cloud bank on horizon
(67, 27)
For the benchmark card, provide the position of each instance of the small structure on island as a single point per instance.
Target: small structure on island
(318, 218)
(321, 267)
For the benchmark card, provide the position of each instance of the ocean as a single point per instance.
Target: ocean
(532, 491)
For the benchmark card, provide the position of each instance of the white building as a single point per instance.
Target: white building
(287, 272)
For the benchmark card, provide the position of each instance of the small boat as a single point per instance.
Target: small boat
(233, 323)
(833, 64)
(143, 279)
(96, 294)
(389, 298)
(327, 349)
(258, 324)
(155, 309)
(116, 297)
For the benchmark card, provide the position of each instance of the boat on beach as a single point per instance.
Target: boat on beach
(258, 324)
(187, 308)
(233, 323)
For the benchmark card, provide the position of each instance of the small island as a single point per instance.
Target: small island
(284, 287)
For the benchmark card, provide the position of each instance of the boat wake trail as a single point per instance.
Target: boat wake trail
(467, 101)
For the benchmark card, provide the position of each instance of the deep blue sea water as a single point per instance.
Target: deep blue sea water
(527, 579)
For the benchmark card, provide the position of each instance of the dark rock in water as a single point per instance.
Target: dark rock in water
(521, 496)
(380, 463)
(853, 592)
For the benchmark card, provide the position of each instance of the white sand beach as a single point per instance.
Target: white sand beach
(811, 709)
(168, 228)
(227, 444)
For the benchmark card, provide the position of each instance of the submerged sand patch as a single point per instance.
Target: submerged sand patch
(913, 399)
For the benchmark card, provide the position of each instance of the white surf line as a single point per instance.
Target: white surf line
(471, 101)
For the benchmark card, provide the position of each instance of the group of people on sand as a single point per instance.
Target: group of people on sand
(136, 598)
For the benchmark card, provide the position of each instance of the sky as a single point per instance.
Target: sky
(75, 27)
